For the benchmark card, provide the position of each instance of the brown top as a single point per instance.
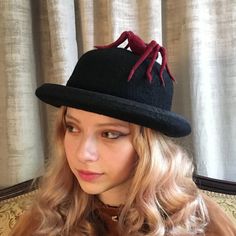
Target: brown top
(219, 225)
(109, 215)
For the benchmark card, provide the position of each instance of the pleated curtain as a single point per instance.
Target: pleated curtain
(42, 40)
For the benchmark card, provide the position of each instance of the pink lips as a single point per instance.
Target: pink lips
(88, 175)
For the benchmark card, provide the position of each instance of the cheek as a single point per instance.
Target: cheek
(69, 148)
(130, 161)
(123, 160)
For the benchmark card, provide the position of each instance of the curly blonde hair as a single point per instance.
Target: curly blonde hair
(164, 199)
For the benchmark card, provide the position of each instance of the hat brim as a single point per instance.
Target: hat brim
(169, 123)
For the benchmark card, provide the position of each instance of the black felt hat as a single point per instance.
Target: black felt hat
(99, 84)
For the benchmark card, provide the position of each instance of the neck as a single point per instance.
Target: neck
(115, 196)
(115, 202)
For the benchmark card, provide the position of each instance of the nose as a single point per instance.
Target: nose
(87, 149)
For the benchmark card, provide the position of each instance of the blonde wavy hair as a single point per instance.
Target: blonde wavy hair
(164, 199)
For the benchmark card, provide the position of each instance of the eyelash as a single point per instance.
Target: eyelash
(70, 128)
(117, 134)
(104, 134)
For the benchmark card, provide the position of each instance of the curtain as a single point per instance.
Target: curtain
(200, 37)
(42, 40)
(21, 146)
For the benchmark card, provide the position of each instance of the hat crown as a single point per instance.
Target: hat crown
(106, 71)
(101, 83)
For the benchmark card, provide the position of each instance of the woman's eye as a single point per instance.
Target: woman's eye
(71, 129)
(111, 134)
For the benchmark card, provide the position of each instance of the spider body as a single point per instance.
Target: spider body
(139, 47)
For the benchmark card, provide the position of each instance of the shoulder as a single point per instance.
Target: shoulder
(219, 222)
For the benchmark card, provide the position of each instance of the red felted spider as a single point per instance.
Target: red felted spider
(139, 47)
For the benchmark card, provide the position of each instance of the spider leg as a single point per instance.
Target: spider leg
(168, 71)
(115, 44)
(164, 64)
(154, 57)
(146, 53)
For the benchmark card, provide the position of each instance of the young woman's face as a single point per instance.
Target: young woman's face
(100, 153)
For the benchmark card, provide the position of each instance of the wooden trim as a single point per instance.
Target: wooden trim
(215, 185)
(18, 189)
(203, 182)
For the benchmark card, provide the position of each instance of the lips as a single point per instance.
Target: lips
(88, 175)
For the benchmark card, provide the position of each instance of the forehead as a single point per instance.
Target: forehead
(81, 115)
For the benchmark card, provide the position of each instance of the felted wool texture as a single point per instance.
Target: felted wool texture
(99, 84)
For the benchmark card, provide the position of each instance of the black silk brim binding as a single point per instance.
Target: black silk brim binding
(166, 122)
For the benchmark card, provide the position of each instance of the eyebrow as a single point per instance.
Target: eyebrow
(115, 123)
(68, 116)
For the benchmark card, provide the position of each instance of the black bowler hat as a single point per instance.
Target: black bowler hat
(99, 84)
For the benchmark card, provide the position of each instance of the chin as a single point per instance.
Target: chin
(91, 190)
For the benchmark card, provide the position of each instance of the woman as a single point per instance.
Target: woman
(115, 170)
